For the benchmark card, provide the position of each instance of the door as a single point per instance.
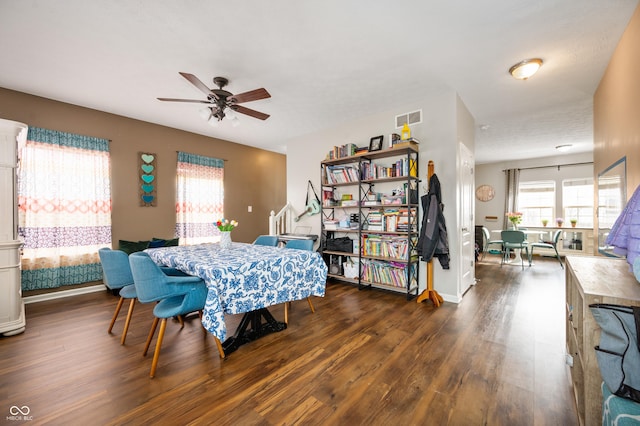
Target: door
(467, 232)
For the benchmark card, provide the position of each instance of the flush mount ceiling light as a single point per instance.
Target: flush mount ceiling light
(525, 69)
(564, 148)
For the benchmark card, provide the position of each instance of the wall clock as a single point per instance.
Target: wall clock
(485, 193)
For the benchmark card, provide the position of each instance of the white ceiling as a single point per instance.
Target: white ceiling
(324, 62)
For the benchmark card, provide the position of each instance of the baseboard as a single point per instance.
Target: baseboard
(64, 293)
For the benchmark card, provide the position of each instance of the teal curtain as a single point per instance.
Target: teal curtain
(199, 198)
(64, 208)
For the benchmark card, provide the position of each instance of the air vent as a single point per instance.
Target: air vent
(410, 118)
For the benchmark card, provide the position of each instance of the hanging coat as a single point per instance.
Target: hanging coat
(433, 239)
(625, 233)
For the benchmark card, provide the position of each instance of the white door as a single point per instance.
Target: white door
(467, 231)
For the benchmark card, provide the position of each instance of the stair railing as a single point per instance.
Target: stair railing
(282, 222)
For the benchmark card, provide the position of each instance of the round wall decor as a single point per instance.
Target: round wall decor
(485, 193)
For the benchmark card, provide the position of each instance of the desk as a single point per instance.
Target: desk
(246, 278)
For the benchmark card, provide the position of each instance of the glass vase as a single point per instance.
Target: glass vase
(225, 239)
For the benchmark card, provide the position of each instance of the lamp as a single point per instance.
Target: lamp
(214, 115)
(525, 69)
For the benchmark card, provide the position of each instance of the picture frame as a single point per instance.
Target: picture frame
(375, 144)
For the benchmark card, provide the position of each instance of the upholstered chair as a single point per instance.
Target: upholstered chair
(488, 241)
(117, 276)
(553, 244)
(514, 240)
(267, 240)
(299, 245)
(174, 296)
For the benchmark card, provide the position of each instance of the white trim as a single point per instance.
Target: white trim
(64, 293)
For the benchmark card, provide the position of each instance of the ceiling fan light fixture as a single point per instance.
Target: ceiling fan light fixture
(205, 113)
(235, 122)
(525, 69)
(213, 121)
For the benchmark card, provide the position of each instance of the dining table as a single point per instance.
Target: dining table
(246, 279)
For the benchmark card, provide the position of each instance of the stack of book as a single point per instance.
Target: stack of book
(402, 167)
(406, 143)
(404, 223)
(385, 246)
(387, 273)
(330, 224)
(347, 150)
(375, 222)
(341, 174)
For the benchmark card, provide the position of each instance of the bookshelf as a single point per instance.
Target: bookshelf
(372, 198)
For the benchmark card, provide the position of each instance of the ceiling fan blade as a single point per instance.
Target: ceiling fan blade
(184, 100)
(253, 95)
(250, 112)
(199, 84)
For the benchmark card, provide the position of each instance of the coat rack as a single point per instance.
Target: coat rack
(429, 292)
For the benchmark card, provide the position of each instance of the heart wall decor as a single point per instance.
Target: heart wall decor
(147, 180)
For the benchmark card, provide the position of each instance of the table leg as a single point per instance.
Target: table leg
(244, 334)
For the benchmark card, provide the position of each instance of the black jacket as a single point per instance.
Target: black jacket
(433, 239)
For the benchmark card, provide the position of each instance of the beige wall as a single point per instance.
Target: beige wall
(253, 177)
(616, 108)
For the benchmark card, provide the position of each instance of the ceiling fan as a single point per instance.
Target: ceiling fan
(222, 101)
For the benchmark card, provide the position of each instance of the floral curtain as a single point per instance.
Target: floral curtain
(199, 198)
(64, 208)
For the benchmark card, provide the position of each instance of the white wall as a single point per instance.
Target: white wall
(438, 134)
(493, 174)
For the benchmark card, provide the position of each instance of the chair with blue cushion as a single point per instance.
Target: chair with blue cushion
(267, 240)
(488, 241)
(553, 244)
(299, 245)
(514, 240)
(117, 276)
(175, 296)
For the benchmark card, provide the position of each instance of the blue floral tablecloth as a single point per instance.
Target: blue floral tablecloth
(246, 277)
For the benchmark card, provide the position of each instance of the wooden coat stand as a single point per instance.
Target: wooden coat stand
(429, 292)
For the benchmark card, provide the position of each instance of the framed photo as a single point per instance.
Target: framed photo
(375, 144)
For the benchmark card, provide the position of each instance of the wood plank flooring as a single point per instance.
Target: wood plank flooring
(364, 358)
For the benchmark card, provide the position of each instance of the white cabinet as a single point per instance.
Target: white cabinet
(573, 241)
(12, 319)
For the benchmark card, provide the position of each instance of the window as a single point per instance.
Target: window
(536, 201)
(199, 198)
(64, 208)
(577, 200)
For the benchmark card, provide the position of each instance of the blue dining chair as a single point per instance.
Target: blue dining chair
(175, 296)
(514, 240)
(553, 244)
(299, 245)
(488, 241)
(267, 240)
(116, 274)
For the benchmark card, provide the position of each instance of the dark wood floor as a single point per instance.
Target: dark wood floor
(364, 357)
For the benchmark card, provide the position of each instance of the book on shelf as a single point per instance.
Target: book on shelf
(342, 151)
(330, 224)
(387, 273)
(341, 174)
(402, 167)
